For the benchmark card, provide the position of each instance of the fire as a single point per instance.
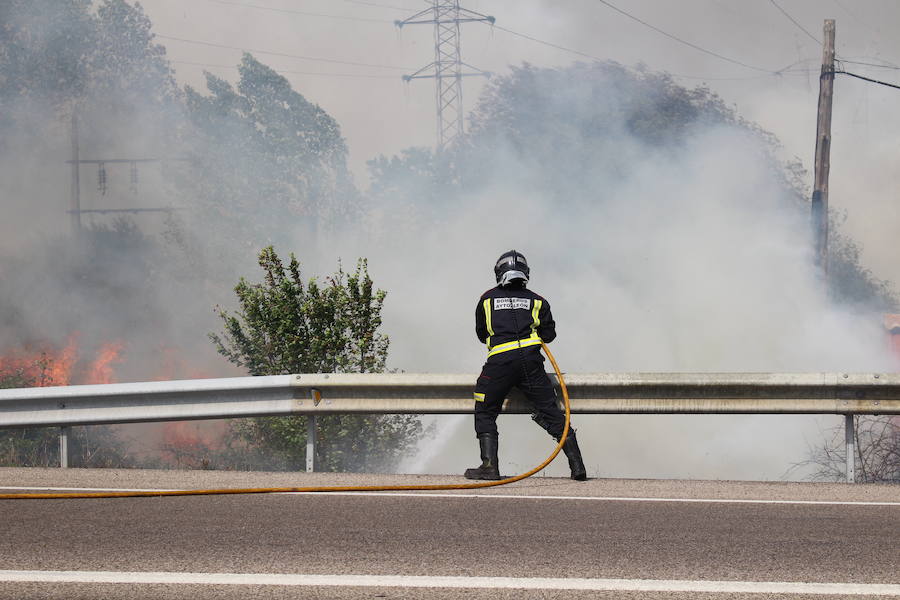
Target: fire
(179, 444)
(191, 445)
(100, 370)
(44, 364)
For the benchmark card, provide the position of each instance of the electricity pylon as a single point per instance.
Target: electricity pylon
(447, 68)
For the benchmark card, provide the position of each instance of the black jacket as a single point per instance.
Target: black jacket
(512, 317)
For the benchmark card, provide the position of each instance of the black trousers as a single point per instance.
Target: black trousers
(526, 372)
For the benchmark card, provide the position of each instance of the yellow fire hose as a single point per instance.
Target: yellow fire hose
(339, 488)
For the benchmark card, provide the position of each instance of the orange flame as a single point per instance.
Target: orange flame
(59, 371)
(101, 371)
(45, 365)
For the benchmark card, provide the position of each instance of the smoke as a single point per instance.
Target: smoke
(118, 286)
(697, 260)
(656, 261)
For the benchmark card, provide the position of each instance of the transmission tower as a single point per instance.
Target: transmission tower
(447, 68)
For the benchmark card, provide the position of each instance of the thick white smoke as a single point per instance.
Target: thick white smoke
(700, 263)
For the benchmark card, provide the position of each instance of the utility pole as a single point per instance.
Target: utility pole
(447, 68)
(820, 202)
(75, 200)
(75, 210)
(823, 150)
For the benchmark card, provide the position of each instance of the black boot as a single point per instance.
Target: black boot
(488, 469)
(573, 453)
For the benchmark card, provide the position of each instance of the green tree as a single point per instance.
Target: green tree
(263, 157)
(125, 63)
(69, 56)
(285, 325)
(42, 50)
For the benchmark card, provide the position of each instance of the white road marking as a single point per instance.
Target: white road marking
(410, 581)
(503, 496)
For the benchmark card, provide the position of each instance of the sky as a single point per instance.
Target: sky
(380, 114)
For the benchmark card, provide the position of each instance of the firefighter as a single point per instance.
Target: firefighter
(512, 320)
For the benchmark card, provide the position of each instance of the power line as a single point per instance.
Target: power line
(312, 58)
(300, 12)
(681, 41)
(289, 72)
(885, 83)
(748, 77)
(786, 70)
(546, 43)
(794, 21)
(868, 64)
(782, 71)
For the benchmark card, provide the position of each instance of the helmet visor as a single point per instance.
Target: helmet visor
(510, 276)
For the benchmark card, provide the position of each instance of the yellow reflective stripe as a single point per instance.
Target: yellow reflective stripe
(487, 319)
(535, 318)
(530, 341)
(479, 397)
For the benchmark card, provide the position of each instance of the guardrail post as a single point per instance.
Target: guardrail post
(310, 443)
(64, 447)
(850, 440)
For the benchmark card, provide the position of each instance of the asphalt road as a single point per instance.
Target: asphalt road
(543, 533)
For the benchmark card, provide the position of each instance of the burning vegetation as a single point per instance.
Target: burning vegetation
(43, 364)
(46, 364)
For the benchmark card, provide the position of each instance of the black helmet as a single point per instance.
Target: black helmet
(511, 266)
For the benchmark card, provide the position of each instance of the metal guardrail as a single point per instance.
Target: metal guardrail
(387, 393)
